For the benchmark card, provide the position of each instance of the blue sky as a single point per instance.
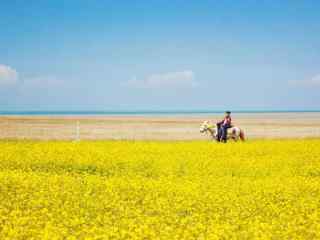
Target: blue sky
(156, 55)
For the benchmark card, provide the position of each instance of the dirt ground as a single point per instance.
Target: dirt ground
(255, 125)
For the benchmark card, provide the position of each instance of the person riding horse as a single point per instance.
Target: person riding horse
(223, 126)
(234, 133)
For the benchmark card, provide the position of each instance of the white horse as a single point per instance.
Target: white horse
(234, 133)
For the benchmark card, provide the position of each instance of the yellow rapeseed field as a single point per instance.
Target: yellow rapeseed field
(160, 190)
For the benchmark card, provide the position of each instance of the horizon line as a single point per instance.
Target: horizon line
(144, 112)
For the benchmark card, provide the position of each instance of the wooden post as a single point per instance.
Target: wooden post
(78, 131)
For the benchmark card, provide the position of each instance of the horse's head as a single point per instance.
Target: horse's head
(206, 126)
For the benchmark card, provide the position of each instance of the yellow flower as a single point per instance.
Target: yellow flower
(160, 190)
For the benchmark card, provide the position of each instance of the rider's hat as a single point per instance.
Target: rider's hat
(228, 112)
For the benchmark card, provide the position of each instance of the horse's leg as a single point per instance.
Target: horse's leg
(213, 135)
(235, 138)
(236, 135)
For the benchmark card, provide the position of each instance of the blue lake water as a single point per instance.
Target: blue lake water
(147, 112)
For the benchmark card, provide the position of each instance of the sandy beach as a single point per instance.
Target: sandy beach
(170, 127)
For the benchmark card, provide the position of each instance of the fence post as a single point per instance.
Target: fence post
(78, 131)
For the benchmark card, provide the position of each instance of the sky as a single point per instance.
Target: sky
(159, 55)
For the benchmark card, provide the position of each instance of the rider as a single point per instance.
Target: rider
(223, 127)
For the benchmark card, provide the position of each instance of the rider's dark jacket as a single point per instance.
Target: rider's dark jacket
(225, 122)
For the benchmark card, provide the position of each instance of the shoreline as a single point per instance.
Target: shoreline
(145, 113)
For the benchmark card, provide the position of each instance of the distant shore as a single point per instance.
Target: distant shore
(155, 127)
(145, 112)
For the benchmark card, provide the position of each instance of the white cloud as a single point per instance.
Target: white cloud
(8, 75)
(182, 79)
(312, 82)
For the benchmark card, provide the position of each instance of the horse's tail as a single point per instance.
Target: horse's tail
(242, 135)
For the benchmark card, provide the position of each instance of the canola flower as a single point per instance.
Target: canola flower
(160, 190)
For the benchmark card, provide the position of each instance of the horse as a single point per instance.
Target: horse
(234, 133)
